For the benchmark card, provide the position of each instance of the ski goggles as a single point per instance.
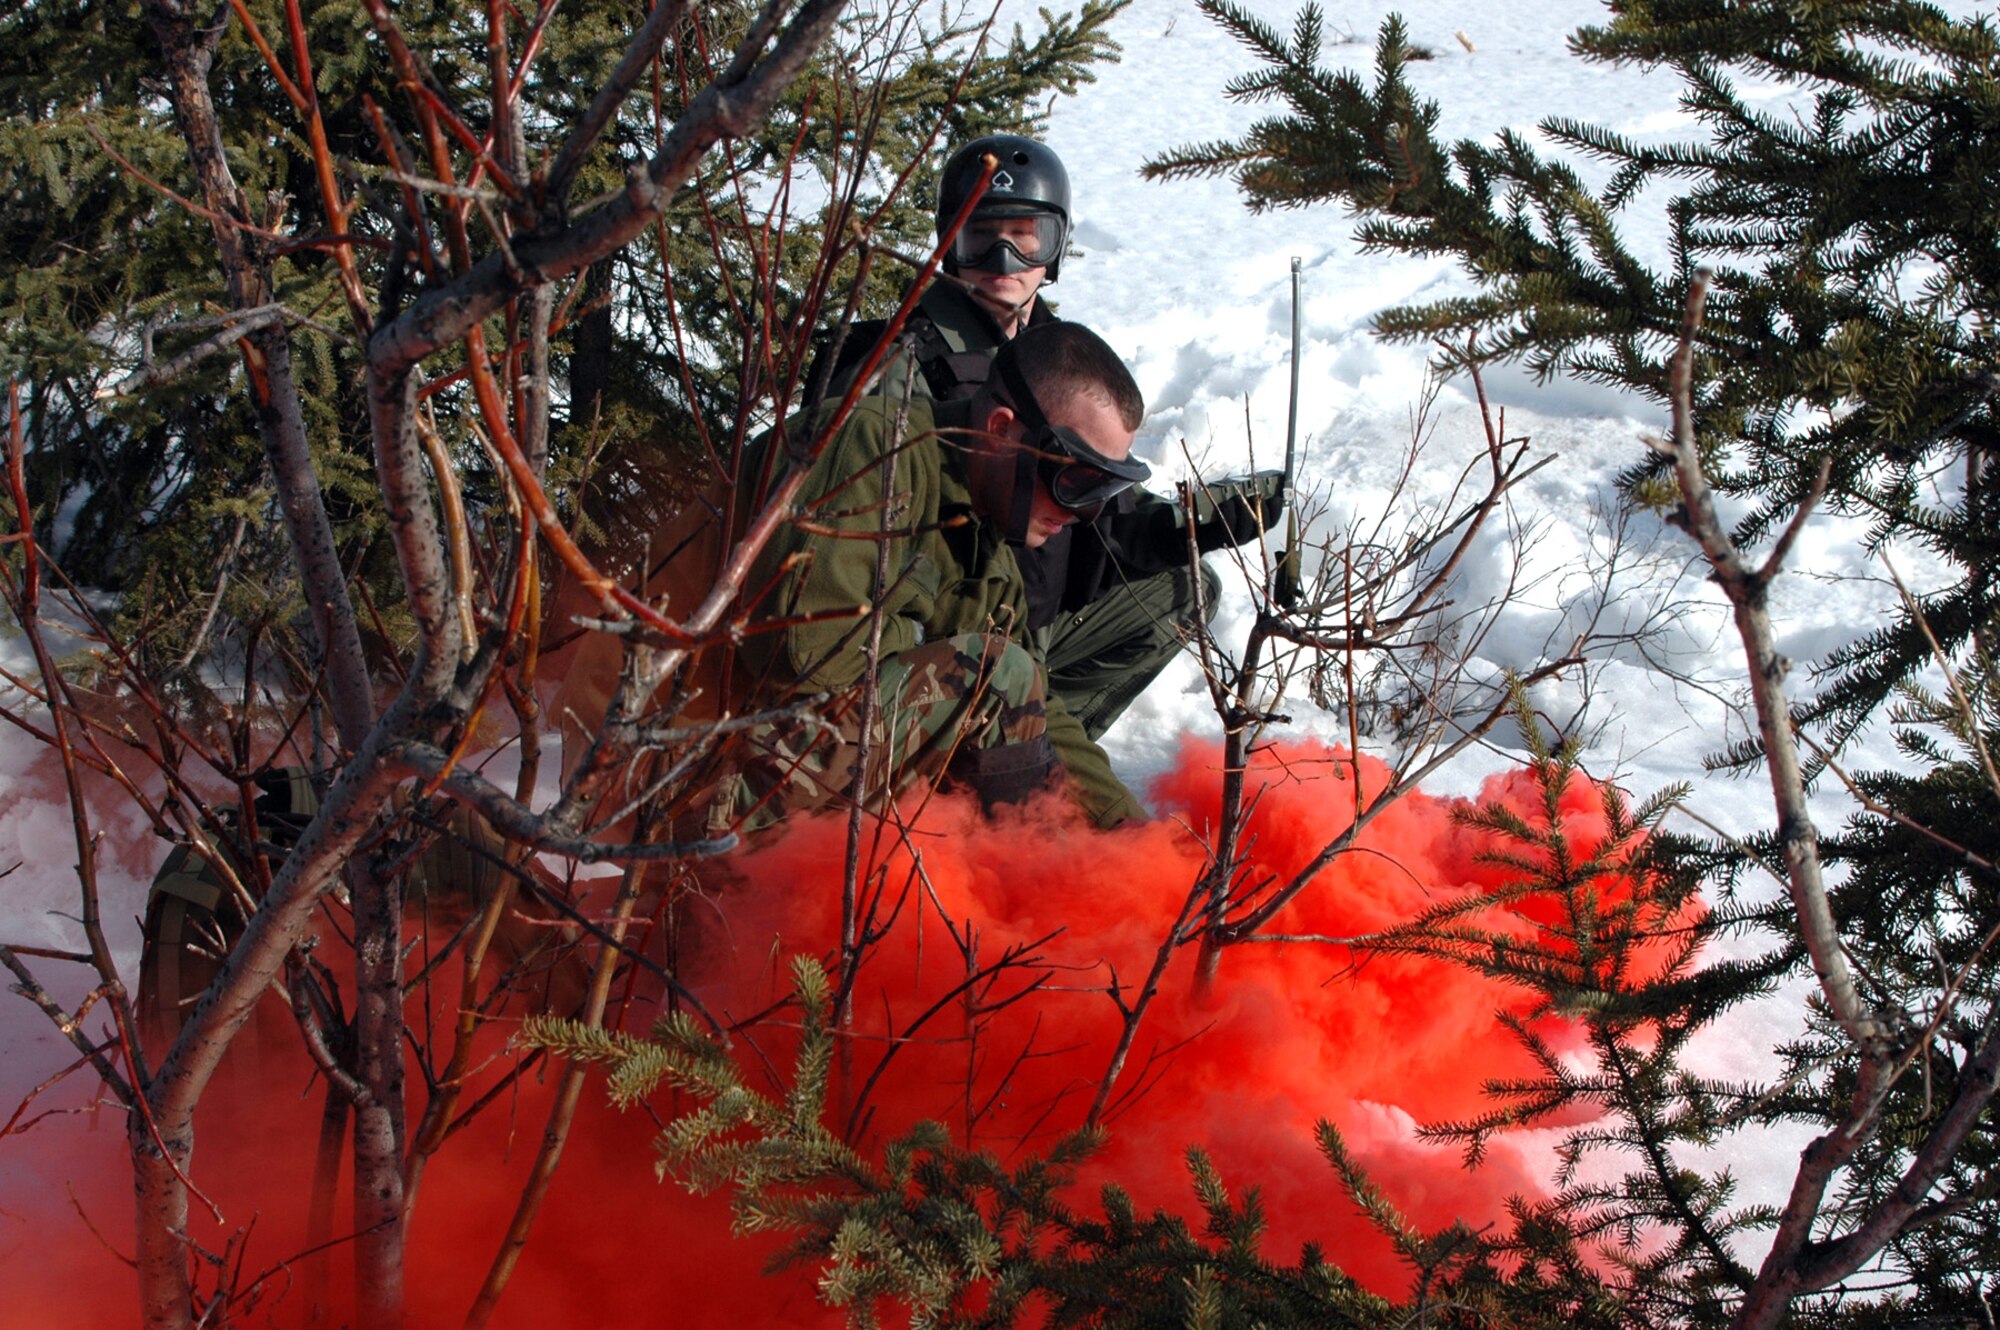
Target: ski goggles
(1008, 241)
(1078, 477)
(1076, 482)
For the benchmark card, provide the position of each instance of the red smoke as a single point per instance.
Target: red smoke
(1289, 1033)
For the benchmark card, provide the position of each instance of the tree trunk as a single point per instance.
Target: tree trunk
(590, 356)
(378, 1116)
(165, 1294)
(188, 42)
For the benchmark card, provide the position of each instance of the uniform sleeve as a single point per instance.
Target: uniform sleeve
(828, 592)
(1103, 796)
(1148, 537)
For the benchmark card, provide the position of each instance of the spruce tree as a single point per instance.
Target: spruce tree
(1848, 336)
(948, 1235)
(356, 450)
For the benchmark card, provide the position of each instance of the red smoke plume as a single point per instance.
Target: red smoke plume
(1289, 1033)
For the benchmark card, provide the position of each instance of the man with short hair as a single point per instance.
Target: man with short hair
(916, 512)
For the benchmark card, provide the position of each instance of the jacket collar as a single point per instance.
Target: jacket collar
(964, 322)
(979, 542)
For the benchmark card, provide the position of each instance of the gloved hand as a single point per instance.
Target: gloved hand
(1230, 512)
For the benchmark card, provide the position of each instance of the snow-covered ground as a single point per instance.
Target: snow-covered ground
(1195, 291)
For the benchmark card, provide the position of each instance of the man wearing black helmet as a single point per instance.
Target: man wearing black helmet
(1112, 599)
(922, 512)
(1013, 243)
(1009, 249)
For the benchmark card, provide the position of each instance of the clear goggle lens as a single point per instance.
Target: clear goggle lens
(1035, 238)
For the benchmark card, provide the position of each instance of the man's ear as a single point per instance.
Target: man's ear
(999, 419)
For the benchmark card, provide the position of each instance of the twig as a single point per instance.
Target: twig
(69, 1027)
(166, 371)
(562, 1113)
(1896, 815)
(1975, 735)
(517, 823)
(850, 948)
(640, 52)
(215, 598)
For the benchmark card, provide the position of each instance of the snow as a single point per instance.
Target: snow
(1195, 291)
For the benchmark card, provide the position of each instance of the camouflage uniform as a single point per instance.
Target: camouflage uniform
(960, 683)
(966, 702)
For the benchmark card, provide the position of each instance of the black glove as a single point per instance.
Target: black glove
(1005, 773)
(1230, 512)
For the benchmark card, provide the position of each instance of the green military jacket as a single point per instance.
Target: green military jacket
(902, 496)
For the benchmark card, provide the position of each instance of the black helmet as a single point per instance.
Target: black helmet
(1029, 181)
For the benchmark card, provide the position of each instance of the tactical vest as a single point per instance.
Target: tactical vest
(950, 375)
(193, 919)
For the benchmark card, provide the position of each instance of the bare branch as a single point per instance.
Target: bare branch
(69, 1027)
(517, 823)
(720, 110)
(1790, 535)
(640, 52)
(1828, 1262)
(166, 371)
